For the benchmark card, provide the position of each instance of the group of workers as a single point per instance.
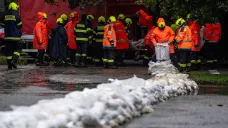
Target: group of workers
(105, 44)
(80, 42)
(182, 42)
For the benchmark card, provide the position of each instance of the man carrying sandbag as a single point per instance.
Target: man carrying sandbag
(162, 37)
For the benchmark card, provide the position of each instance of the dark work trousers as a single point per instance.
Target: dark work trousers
(13, 49)
(71, 54)
(41, 53)
(82, 48)
(184, 55)
(90, 53)
(119, 56)
(173, 58)
(81, 53)
(148, 55)
(109, 56)
(211, 52)
(98, 52)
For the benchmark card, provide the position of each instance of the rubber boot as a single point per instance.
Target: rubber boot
(9, 64)
(14, 60)
(83, 63)
(77, 61)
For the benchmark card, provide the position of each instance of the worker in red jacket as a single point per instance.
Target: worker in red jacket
(195, 30)
(40, 40)
(122, 42)
(71, 38)
(212, 35)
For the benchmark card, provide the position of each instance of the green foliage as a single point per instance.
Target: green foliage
(204, 10)
(210, 79)
(75, 3)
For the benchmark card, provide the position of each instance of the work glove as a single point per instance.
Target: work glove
(155, 44)
(112, 43)
(40, 41)
(169, 42)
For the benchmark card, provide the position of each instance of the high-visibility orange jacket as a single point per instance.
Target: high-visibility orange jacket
(195, 29)
(163, 36)
(109, 40)
(121, 36)
(70, 32)
(144, 19)
(40, 39)
(184, 38)
(215, 34)
(207, 31)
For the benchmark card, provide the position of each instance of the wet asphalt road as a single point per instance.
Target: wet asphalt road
(29, 84)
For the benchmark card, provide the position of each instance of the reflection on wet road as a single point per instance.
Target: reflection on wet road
(30, 84)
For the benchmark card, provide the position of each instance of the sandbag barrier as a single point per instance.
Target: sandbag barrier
(109, 105)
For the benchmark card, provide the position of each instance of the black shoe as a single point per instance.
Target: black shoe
(14, 65)
(112, 66)
(83, 63)
(98, 64)
(42, 64)
(9, 64)
(188, 69)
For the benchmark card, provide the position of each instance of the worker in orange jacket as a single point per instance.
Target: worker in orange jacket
(212, 35)
(109, 43)
(184, 41)
(72, 47)
(40, 39)
(162, 36)
(195, 29)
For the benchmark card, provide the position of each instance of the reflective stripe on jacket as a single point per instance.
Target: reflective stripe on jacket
(109, 35)
(99, 32)
(12, 24)
(40, 39)
(70, 32)
(215, 33)
(121, 36)
(195, 29)
(184, 38)
(81, 32)
(162, 36)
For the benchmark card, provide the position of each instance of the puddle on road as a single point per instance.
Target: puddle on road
(212, 89)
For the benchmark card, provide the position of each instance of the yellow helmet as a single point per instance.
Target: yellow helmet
(161, 24)
(64, 17)
(45, 16)
(13, 6)
(121, 17)
(59, 21)
(180, 22)
(101, 19)
(128, 21)
(112, 19)
(189, 16)
(90, 17)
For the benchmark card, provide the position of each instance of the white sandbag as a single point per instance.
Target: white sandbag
(162, 52)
